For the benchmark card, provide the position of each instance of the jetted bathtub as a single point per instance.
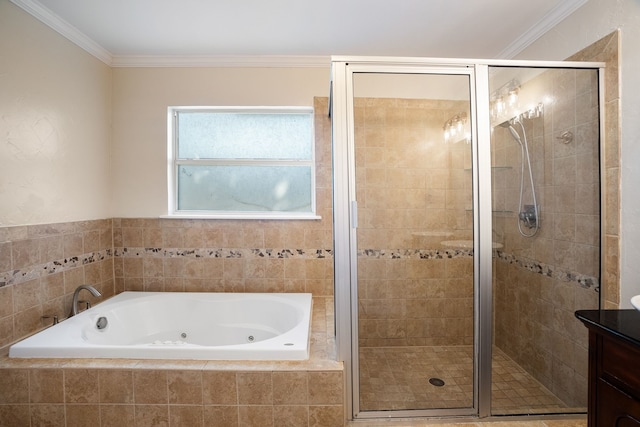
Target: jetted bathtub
(181, 325)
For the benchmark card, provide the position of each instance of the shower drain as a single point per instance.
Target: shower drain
(436, 382)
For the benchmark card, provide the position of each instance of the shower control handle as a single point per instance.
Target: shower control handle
(529, 216)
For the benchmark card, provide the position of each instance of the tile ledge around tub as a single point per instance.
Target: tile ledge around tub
(316, 362)
(201, 365)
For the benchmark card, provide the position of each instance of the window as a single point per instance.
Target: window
(241, 162)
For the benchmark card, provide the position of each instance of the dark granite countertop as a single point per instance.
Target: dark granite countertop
(624, 324)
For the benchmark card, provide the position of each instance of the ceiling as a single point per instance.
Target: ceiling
(148, 32)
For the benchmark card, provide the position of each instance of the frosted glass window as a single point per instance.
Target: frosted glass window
(245, 188)
(236, 161)
(208, 135)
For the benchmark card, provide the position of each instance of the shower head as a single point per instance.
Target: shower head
(509, 125)
(515, 135)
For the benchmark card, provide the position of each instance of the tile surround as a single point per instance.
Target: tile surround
(96, 392)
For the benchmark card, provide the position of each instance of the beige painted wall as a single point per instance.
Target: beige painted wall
(591, 22)
(55, 116)
(140, 100)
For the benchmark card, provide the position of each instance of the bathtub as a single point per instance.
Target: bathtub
(180, 325)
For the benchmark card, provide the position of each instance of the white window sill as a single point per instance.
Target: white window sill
(257, 216)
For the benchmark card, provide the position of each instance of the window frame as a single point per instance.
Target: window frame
(173, 163)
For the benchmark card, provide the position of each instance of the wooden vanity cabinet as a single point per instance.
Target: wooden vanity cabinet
(614, 367)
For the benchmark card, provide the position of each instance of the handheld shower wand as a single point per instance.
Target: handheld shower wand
(528, 215)
(515, 135)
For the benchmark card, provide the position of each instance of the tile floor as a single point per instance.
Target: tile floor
(398, 378)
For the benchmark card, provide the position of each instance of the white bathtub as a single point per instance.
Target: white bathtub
(181, 325)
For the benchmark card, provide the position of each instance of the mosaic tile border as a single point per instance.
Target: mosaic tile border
(18, 276)
(550, 271)
(222, 253)
(415, 253)
(547, 270)
(14, 277)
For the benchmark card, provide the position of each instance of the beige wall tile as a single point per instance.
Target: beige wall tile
(14, 387)
(185, 387)
(326, 416)
(73, 244)
(73, 278)
(325, 388)
(45, 415)
(291, 416)
(116, 386)
(46, 386)
(6, 301)
(255, 416)
(219, 388)
(150, 387)
(81, 386)
(186, 415)
(255, 388)
(6, 260)
(82, 415)
(221, 416)
(152, 415)
(290, 388)
(25, 253)
(117, 415)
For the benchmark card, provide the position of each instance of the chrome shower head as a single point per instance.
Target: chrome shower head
(509, 125)
(515, 135)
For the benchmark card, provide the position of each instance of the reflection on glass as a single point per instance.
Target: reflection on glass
(414, 193)
(545, 189)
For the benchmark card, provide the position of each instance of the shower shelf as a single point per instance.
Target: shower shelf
(494, 211)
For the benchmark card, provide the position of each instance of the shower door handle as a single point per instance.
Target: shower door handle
(354, 214)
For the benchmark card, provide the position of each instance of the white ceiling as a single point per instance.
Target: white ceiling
(135, 32)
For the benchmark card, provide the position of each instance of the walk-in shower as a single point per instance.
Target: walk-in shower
(467, 231)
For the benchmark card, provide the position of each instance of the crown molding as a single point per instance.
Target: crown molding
(550, 20)
(67, 30)
(264, 61)
(46, 16)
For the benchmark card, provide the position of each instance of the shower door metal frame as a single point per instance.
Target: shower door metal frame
(345, 213)
(348, 224)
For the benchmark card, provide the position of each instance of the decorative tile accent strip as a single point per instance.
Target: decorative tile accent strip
(415, 253)
(222, 253)
(534, 266)
(551, 271)
(14, 277)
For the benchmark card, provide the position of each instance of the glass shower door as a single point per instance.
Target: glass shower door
(414, 237)
(545, 142)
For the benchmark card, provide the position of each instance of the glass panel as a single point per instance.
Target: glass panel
(244, 188)
(546, 231)
(414, 238)
(220, 135)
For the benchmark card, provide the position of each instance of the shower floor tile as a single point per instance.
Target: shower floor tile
(397, 378)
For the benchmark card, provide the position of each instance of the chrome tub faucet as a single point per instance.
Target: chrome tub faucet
(74, 303)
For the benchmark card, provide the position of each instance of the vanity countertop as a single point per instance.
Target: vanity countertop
(624, 324)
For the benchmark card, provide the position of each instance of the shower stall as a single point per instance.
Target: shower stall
(467, 228)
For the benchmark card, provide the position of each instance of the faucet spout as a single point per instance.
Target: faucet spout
(74, 303)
